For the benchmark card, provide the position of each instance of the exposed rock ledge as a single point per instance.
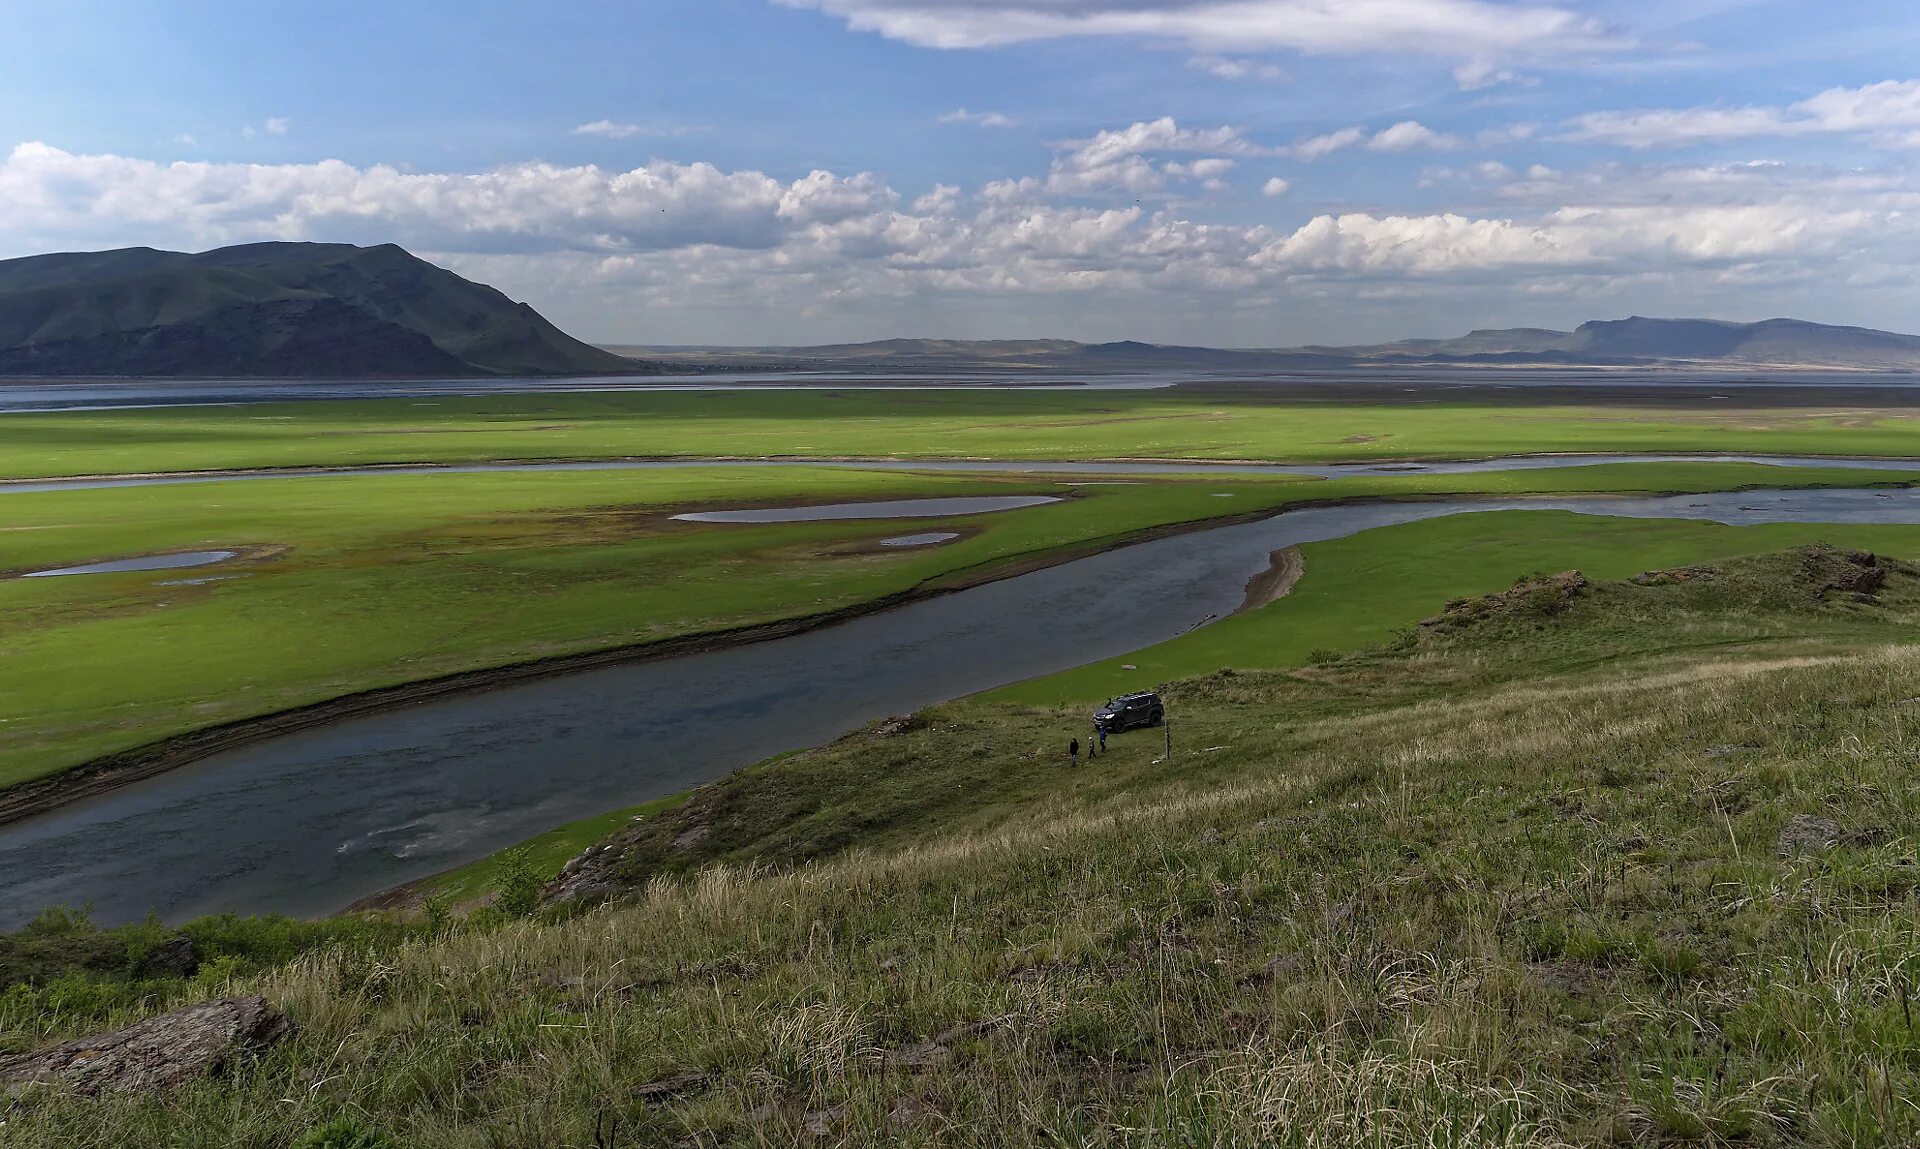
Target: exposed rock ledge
(158, 1053)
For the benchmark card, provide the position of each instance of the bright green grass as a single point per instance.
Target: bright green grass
(392, 580)
(919, 424)
(1360, 590)
(386, 581)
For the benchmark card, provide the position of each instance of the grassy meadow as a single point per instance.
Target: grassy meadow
(379, 581)
(1515, 879)
(927, 424)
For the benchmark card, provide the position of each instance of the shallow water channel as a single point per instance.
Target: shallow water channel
(887, 509)
(960, 466)
(308, 822)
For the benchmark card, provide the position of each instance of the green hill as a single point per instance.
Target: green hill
(272, 309)
(1581, 863)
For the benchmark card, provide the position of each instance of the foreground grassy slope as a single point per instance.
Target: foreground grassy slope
(381, 581)
(921, 424)
(1486, 887)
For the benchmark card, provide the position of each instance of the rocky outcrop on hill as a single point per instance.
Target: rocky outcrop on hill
(1533, 596)
(158, 1053)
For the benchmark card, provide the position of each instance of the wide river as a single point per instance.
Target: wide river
(308, 822)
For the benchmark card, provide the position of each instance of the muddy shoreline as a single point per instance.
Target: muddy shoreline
(1284, 568)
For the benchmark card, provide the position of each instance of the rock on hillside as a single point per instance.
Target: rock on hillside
(282, 310)
(157, 1053)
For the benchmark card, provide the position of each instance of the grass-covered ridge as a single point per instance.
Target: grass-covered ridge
(1511, 880)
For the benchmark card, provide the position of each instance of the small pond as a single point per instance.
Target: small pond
(892, 509)
(143, 563)
(930, 539)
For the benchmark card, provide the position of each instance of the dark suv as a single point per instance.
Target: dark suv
(1131, 710)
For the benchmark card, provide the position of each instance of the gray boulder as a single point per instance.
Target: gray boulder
(158, 1053)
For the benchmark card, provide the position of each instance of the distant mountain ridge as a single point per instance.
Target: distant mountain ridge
(1633, 342)
(281, 310)
(1771, 342)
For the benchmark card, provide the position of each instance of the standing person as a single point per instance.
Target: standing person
(1093, 743)
(1103, 736)
(1073, 752)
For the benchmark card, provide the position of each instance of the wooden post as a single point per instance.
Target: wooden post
(1167, 724)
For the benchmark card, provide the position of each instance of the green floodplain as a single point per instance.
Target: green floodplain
(1429, 867)
(926, 423)
(380, 581)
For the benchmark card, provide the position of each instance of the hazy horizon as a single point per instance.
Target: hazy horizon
(922, 338)
(1264, 173)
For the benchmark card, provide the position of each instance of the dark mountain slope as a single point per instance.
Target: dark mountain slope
(273, 309)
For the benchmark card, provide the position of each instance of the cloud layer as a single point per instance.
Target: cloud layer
(1886, 113)
(1476, 30)
(667, 238)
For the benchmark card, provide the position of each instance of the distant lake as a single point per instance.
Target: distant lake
(100, 394)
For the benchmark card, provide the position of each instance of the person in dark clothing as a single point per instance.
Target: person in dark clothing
(1103, 736)
(1073, 752)
(1093, 743)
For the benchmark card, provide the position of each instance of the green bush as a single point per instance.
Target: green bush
(517, 888)
(344, 1132)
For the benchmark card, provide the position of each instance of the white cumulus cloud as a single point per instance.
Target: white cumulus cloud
(1122, 158)
(1405, 136)
(1408, 135)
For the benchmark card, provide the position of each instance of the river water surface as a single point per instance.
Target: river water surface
(962, 466)
(306, 823)
(18, 395)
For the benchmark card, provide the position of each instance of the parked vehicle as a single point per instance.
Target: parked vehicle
(1130, 711)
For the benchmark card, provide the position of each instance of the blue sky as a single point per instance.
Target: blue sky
(1248, 172)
